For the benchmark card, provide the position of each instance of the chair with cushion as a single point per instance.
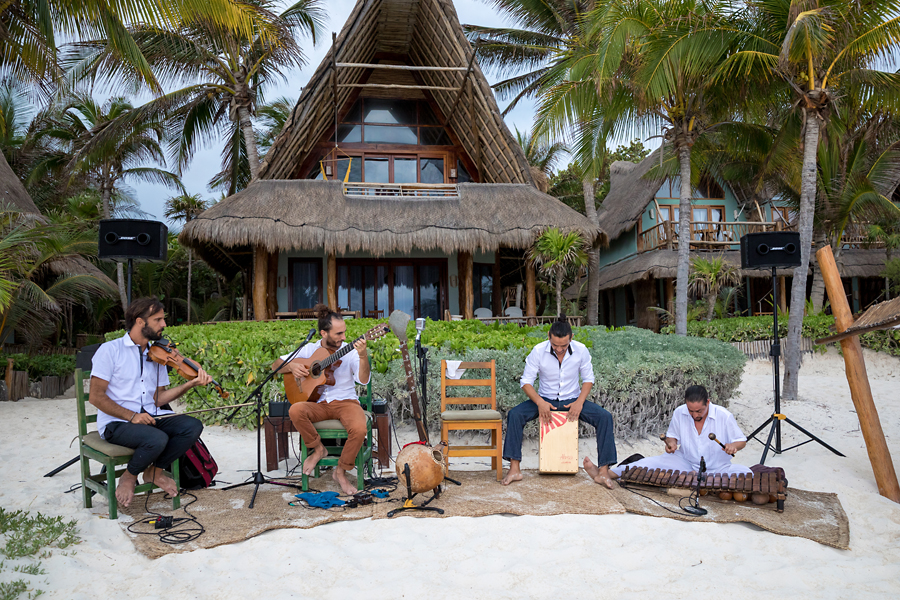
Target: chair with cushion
(473, 418)
(92, 447)
(333, 430)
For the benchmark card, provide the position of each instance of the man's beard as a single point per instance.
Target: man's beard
(151, 335)
(331, 344)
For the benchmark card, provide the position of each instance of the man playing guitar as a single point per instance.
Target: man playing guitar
(338, 401)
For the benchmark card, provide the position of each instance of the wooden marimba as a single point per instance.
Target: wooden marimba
(761, 489)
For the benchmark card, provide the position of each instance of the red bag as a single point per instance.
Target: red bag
(198, 467)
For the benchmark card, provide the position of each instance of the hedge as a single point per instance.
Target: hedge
(59, 365)
(641, 375)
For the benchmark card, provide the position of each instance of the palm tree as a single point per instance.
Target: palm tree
(708, 277)
(128, 144)
(555, 253)
(232, 70)
(530, 56)
(823, 53)
(181, 209)
(645, 68)
(541, 156)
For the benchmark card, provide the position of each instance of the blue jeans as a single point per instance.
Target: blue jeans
(591, 413)
(159, 445)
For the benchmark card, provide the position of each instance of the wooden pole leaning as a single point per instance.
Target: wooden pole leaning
(860, 391)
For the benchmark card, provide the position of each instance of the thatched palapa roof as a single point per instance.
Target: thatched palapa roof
(428, 34)
(629, 194)
(12, 192)
(312, 214)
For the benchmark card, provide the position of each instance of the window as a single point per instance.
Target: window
(705, 219)
(305, 289)
(378, 287)
(483, 285)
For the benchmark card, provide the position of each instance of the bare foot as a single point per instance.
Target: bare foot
(125, 489)
(158, 477)
(601, 475)
(514, 474)
(318, 453)
(340, 476)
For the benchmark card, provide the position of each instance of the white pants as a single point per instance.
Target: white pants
(677, 462)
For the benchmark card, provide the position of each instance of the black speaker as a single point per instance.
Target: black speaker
(770, 249)
(121, 239)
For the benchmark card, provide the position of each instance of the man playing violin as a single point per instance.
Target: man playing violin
(338, 401)
(130, 391)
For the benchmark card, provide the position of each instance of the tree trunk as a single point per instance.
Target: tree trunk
(249, 141)
(593, 295)
(684, 240)
(559, 281)
(817, 295)
(190, 265)
(711, 309)
(798, 292)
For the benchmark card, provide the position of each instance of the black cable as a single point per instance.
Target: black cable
(175, 533)
(627, 487)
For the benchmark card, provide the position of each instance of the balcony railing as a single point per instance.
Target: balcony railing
(705, 235)
(405, 191)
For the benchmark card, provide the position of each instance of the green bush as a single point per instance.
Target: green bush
(58, 365)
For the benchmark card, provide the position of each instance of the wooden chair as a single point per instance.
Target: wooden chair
(92, 447)
(490, 419)
(333, 430)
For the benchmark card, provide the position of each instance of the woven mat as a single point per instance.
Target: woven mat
(226, 518)
(816, 516)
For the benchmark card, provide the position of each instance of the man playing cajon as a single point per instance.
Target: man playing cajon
(559, 362)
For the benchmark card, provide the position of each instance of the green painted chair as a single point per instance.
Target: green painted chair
(333, 430)
(92, 447)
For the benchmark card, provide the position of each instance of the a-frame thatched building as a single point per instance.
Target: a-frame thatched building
(393, 185)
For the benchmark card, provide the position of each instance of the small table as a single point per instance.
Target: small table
(277, 430)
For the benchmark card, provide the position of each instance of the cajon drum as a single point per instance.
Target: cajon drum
(558, 450)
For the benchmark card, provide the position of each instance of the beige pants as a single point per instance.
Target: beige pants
(348, 412)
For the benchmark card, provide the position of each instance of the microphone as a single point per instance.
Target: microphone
(312, 332)
(420, 326)
(702, 475)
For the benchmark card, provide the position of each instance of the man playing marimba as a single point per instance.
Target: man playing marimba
(691, 426)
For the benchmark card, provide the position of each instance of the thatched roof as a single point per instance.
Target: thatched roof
(423, 33)
(12, 192)
(661, 264)
(859, 262)
(629, 194)
(306, 214)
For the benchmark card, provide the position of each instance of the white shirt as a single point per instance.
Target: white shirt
(346, 375)
(693, 445)
(559, 381)
(132, 378)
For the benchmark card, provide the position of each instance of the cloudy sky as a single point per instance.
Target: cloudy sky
(206, 163)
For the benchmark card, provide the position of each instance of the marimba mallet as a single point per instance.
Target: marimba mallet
(712, 436)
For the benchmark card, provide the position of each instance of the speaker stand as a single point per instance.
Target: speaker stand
(777, 417)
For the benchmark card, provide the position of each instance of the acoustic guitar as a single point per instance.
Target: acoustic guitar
(321, 367)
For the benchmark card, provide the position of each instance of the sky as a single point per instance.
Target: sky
(207, 162)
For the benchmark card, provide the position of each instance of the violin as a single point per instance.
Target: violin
(164, 352)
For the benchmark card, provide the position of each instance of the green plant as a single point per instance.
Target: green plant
(23, 536)
(708, 276)
(39, 365)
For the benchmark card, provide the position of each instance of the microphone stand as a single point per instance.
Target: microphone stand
(422, 357)
(258, 478)
(694, 507)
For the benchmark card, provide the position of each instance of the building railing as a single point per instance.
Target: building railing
(705, 235)
(406, 191)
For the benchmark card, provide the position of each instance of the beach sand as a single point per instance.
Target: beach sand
(622, 556)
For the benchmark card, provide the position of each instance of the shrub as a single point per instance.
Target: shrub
(641, 376)
(39, 365)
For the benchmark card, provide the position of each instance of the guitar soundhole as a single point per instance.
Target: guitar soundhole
(315, 369)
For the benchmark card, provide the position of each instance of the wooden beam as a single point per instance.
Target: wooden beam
(331, 286)
(396, 86)
(461, 87)
(496, 290)
(530, 297)
(272, 286)
(466, 292)
(399, 67)
(860, 391)
(260, 286)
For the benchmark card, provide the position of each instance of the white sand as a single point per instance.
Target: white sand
(500, 556)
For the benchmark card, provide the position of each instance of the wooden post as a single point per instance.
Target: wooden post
(272, 286)
(860, 391)
(260, 272)
(530, 297)
(331, 286)
(466, 292)
(9, 379)
(782, 295)
(496, 290)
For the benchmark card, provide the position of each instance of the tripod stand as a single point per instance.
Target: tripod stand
(777, 417)
(258, 478)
